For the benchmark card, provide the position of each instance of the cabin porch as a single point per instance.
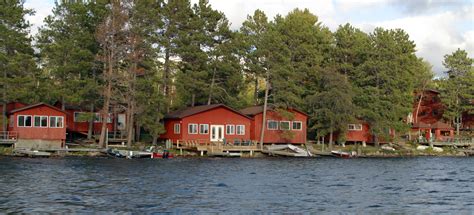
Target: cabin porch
(218, 147)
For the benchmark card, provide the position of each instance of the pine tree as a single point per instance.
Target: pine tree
(17, 63)
(457, 91)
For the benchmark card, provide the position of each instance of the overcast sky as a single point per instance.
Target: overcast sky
(438, 27)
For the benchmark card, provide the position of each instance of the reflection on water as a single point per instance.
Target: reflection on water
(402, 185)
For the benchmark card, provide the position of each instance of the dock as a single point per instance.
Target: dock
(8, 137)
(218, 148)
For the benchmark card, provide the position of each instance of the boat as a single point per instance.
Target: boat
(128, 153)
(287, 150)
(163, 155)
(342, 154)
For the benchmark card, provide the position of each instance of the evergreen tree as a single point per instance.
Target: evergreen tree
(457, 91)
(17, 64)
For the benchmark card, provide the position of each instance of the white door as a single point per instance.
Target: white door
(217, 133)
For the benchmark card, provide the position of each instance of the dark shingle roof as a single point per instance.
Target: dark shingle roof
(36, 105)
(179, 114)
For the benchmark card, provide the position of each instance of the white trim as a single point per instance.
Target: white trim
(56, 118)
(177, 128)
(355, 127)
(293, 127)
(242, 130)
(24, 121)
(40, 126)
(289, 125)
(227, 129)
(194, 125)
(207, 128)
(268, 123)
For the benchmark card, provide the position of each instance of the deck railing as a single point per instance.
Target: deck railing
(8, 135)
(219, 145)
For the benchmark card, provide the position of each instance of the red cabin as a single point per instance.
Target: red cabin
(289, 127)
(214, 123)
(426, 118)
(359, 132)
(38, 126)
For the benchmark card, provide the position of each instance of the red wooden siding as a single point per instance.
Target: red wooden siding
(277, 136)
(40, 133)
(215, 115)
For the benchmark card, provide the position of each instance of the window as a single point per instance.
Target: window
(41, 121)
(192, 128)
(272, 125)
(177, 128)
(204, 129)
(56, 121)
(24, 121)
(230, 129)
(240, 130)
(80, 117)
(355, 127)
(422, 113)
(98, 117)
(284, 125)
(297, 125)
(435, 112)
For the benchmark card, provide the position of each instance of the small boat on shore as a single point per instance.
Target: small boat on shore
(342, 154)
(138, 154)
(164, 155)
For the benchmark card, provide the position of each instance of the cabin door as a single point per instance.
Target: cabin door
(217, 133)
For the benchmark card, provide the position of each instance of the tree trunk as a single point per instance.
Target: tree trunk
(255, 92)
(155, 140)
(418, 107)
(265, 103)
(107, 96)
(193, 99)
(130, 136)
(209, 100)
(90, 130)
(166, 77)
(137, 132)
(330, 138)
(4, 100)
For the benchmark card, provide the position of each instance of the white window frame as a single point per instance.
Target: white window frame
(201, 126)
(355, 127)
(177, 128)
(281, 127)
(268, 125)
(196, 126)
(56, 117)
(40, 116)
(97, 117)
(227, 130)
(242, 129)
(24, 121)
(297, 122)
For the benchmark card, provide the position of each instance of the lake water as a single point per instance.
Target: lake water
(210, 185)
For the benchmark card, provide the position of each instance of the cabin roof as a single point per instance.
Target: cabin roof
(421, 125)
(441, 125)
(37, 105)
(179, 114)
(254, 110)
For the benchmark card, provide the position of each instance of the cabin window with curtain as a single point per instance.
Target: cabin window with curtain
(297, 125)
(204, 129)
(230, 129)
(355, 127)
(284, 125)
(56, 121)
(177, 128)
(24, 121)
(41, 121)
(272, 125)
(240, 130)
(192, 128)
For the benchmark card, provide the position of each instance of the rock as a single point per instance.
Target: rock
(437, 149)
(422, 148)
(388, 148)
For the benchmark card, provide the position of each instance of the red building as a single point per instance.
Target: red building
(214, 123)
(38, 126)
(426, 118)
(288, 126)
(9, 107)
(359, 132)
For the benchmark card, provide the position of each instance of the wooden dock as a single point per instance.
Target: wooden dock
(218, 148)
(8, 137)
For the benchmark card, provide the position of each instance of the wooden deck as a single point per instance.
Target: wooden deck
(8, 137)
(211, 148)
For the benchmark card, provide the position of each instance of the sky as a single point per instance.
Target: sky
(438, 27)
